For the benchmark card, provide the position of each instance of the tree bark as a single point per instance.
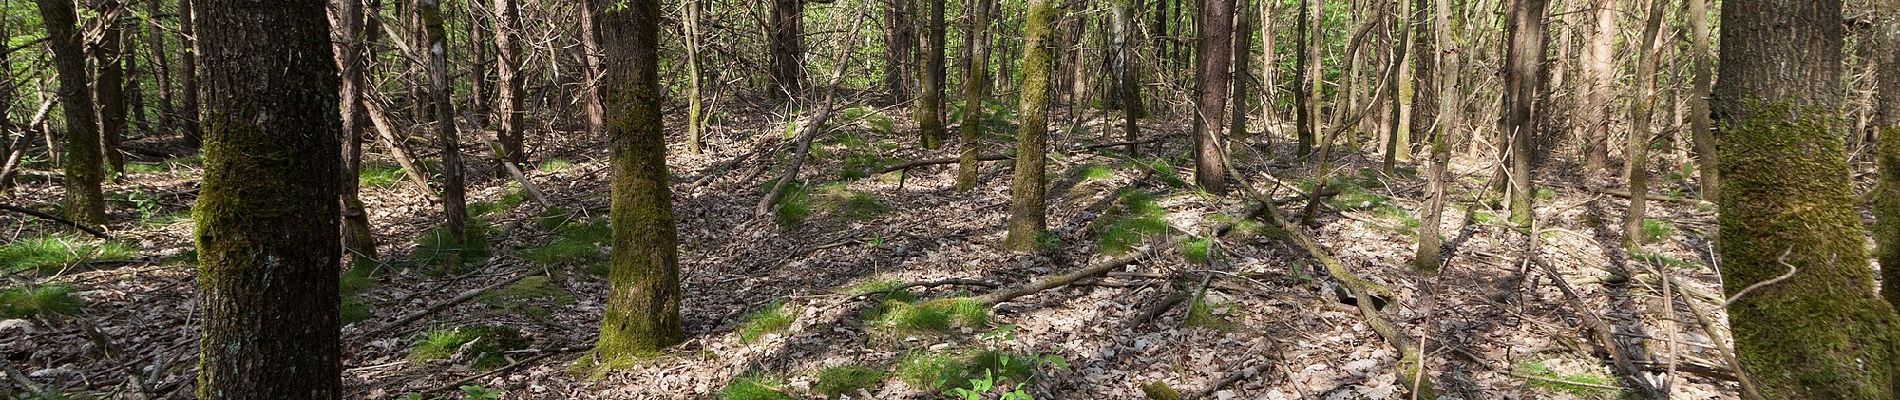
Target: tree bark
(441, 98)
(1428, 256)
(1788, 203)
(1127, 72)
(1636, 150)
(1700, 127)
(930, 94)
(161, 64)
(267, 215)
(85, 202)
(1027, 209)
(975, 89)
(1215, 72)
(1307, 78)
(188, 112)
(1886, 199)
(1524, 68)
(1242, 66)
(508, 91)
(900, 41)
(1598, 80)
(109, 83)
(642, 310)
(351, 48)
(786, 39)
(695, 107)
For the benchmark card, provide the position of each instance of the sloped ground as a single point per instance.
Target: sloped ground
(1492, 331)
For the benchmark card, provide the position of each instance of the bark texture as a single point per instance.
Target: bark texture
(85, 202)
(976, 87)
(1027, 208)
(1214, 74)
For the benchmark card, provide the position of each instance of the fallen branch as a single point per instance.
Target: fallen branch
(1600, 332)
(50, 217)
(438, 307)
(813, 125)
(1100, 267)
(939, 161)
(1229, 379)
(927, 284)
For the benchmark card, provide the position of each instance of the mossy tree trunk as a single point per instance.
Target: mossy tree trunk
(441, 100)
(1886, 228)
(1636, 150)
(976, 87)
(267, 215)
(642, 313)
(1213, 76)
(85, 201)
(1524, 68)
(109, 82)
(1027, 208)
(1788, 202)
(349, 42)
(930, 78)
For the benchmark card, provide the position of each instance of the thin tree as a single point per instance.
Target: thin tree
(786, 42)
(188, 76)
(930, 78)
(1027, 209)
(441, 100)
(976, 87)
(1216, 63)
(349, 43)
(642, 311)
(1243, 60)
(1636, 150)
(1598, 76)
(1700, 132)
(1428, 256)
(900, 41)
(1127, 71)
(1523, 71)
(508, 91)
(161, 64)
(1806, 320)
(85, 201)
(1307, 78)
(109, 82)
(267, 214)
(695, 107)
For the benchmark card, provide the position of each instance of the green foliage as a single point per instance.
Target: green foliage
(1544, 193)
(754, 386)
(477, 392)
(1136, 218)
(1197, 250)
(379, 175)
(51, 253)
(934, 370)
(1657, 229)
(1094, 172)
(869, 118)
(928, 370)
(436, 245)
(978, 388)
(554, 165)
(800, 202)
(576, 243)
(1212, 317)
(1555, 381)
(531, 295)
(1158, 390)
(847, 379)
(482, 345)
(350, 286)
(39, 301)
(148, 205)
(136, 167)
(513, 196)
(901, 315)
(1164, 169)
(775, 317)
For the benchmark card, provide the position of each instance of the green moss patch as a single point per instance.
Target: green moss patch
(532, 295)
(1135, 218)
(554, 165)
(754, 386)
(898, 313)
(1205, 315)
(848, 379)
(51, 253)
(775, 317)
(482, 346)
(379, 175)
(1557, 381)
(39, 301)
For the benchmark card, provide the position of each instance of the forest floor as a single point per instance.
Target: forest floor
(797, 303)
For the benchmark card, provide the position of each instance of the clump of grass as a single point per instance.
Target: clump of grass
(1657, 229)
(554, 165)
(1543, 193)
(1094, 172)
(165, 219)
(838, 200)
(1136, 218)
(147, 167)
(928, 370)
(510, 198)
(934, 370)
(754, 386)
(859, 165)
(531, 295)
(899, 313)
(580, 243)
(50, 253)
(871, 285)
(1158, 390)
(39, 301)
(482, 345)
(847, 379)
(1202, 314)
(350, 286)
(1556, 381)
(775, 317)
(379, 175)
(1164, 169)
(435, 246)
(1197, 250)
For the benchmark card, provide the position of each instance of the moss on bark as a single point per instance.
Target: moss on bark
(1027, 218)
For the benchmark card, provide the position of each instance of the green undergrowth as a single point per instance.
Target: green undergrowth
(900, 313)
(1162, 169)
(435, 246)
(350, 286)
(1094, 172)
(579, 243)
(1207, 315)
(379, 175)
(870, 118)
(1656, 230)
(51, 253)
(482, 346)
(1556, 381)
(800, 203)
(1135, 217)
(512, 196)
(755, 386)
(1353, 194)
(39, 301)
(1199, 250)
(554, 165)
(950, 368)
(773, 318)
(138, 167)
(533, 296)
(848, 379)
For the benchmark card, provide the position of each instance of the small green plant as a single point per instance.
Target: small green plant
(484, 346)
(554, 165)
(775, 317)
(1198, 250)
(1094, 172)
(838, 200)
(869, 118)
(435, 245)
(531, 295)
(979, 387)
(1212, 317)
(754, 386)
(42, 301)
(1138, 217)
(477, 392)
(510, 198)
(379, 175)
(928, 370)
(1164, 169)
(1657, 229)
(148, 205)
(50, 253)
(847, 379)
(1556, 381)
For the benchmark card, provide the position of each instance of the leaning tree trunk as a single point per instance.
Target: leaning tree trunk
(1524, 68)
(1027, 209)
(930, 78)
(267, 214)
(1216, 49)
(1788, 208)
(976, 87)
(508, 91)
(642, 311)
(109, 83)
(441, 99)
(85, 202)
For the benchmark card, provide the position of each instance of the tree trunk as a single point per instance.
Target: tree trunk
(1699, 125)
(1127, 72)
(1886, 199)
(930, 94)
(508, 91)
(109, 83)
(1270, 116)
(1524, 68)
(85, 202)
(900, 41)
(441, 97)
(1307, 78)
(975, 89)
(695, 107)
(1788, 202)
(267, 214)
(161, 64)
(1598, 80)
(1428, 258)
(1425, 82)
(1400, 105)
(590, 54)
(1243, 64)
(642, 310)
(188, 112)
(1636, 169)
(1027, 213)
(1216, 49)
(349, 43)
(787, 46)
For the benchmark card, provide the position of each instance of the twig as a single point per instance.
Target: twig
(1229, 379)
(1784, 262)
(1564, 381)
(50, 217)
(465, 296)
(538, 357)
(939, 161)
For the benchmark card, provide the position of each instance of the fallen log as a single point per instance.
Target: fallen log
(939, 161)
(50, 217)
